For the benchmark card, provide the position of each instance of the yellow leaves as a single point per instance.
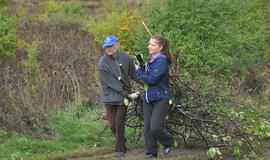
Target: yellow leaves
(91, 4)
(128, 31)
(22, 44)
(117, 19)
(44, 17)
(105, 26)
(21, 11)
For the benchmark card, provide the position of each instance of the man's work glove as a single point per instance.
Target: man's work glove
(134, 95)
(137, 66)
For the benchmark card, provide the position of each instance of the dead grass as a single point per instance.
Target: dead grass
(67, 65)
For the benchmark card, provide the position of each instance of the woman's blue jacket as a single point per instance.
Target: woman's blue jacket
(156, 76)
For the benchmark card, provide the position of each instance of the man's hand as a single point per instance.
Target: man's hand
(137, 66)
(134, 95)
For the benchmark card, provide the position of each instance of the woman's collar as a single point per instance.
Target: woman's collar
(155, 55)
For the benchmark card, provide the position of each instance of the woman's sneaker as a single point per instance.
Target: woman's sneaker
(150, 155)
(167, 150)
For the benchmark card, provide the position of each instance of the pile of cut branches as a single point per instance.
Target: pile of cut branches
(199, 118)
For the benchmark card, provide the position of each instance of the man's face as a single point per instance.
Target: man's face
(110, 50)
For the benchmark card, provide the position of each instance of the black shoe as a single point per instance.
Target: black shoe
(167, 150)
(150, 155)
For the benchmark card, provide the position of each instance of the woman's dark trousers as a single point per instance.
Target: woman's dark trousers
(154, 116)
(116, 116)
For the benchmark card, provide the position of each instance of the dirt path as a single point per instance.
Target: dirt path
(138, 154)
(175, 154)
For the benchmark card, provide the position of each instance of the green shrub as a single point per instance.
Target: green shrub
(69, 8)
(72, 8)
(53, 7)
(64, 13)
(212, 37)
(3, 3)
(117, 19)
(8, 38)
(217, 38)
(213, 153)
(101, 28)
(31, 65)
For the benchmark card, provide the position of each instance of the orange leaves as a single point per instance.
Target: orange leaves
(128, 31)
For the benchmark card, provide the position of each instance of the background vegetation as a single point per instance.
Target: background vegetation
(8, 37)
(49, 50)
(212, 37)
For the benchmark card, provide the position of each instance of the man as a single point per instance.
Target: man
(112, 92)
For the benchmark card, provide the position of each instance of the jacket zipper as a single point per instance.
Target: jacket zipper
(146, 95)
(118, 66)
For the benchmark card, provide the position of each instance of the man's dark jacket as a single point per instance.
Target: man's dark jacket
(112, 92)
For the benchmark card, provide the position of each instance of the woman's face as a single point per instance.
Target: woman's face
(153, 47)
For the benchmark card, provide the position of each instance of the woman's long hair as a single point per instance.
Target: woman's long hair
(165, 43)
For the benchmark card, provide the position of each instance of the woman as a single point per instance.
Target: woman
(156, 96)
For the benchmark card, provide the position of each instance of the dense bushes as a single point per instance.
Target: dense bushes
(117, 19)
(219, 37)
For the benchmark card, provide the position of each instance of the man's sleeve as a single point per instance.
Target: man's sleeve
(107, 79)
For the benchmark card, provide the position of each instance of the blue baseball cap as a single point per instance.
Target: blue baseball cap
(109, 41)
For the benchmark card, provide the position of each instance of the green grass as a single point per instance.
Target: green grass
(70, 133)
(78, 152)
(77, 133)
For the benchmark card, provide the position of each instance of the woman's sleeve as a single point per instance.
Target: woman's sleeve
(153, 76)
